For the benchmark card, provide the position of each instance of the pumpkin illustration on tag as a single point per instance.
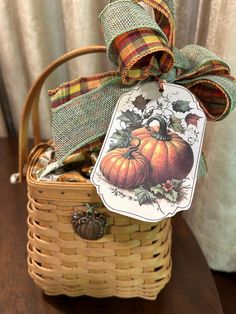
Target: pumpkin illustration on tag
(125, 167)
(148, 165)
(169, 155)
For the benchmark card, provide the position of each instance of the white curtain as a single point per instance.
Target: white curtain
(35, 32)
(213, 214)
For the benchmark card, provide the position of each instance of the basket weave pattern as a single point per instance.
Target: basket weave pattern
(131, 260)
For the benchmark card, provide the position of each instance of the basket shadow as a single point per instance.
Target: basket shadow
(89, 305)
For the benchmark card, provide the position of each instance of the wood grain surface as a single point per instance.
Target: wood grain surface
(191, 290)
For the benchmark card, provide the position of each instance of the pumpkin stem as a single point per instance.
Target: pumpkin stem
(132, 149)
(162, 134)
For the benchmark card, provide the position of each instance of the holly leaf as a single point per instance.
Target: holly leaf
(132, 119)
(144, 196)
(176, 124)
(181, 106)
(171, 196)
(158, 189)
(140, 102)
(192, 118)
(177, 184)
(122, 139)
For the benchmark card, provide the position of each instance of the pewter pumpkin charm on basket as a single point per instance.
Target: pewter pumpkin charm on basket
(90, 225)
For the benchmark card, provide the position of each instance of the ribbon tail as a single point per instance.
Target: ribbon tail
(84, 119)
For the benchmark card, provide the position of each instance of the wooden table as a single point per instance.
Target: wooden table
(191, 290)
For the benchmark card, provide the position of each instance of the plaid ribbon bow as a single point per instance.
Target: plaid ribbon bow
(148, 50)
(141, 47)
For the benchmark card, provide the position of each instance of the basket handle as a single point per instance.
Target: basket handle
(32, 101)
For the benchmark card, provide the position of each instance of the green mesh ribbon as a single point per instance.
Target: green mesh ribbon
(142, 49)
(86, 118)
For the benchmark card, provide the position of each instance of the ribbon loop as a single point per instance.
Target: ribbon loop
(122, 16)
(200, 61)
(208, 77)
(135, 42)
(217, 94)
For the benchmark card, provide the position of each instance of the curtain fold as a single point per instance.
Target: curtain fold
(80, 19)
(33, 33)
(187, 13)
(213, 214)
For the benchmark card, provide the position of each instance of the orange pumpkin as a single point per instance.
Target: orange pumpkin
(125, 167)
(170, 156)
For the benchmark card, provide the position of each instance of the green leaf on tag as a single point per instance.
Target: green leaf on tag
(171, 196)
(122, 139)
(144, 196)
(181, 106)
(177, 184)
(158, 189)
(132, 119)
(176, 124)
(140, 102)
(168, 190)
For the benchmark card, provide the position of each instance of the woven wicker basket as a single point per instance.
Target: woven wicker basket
(131, 260)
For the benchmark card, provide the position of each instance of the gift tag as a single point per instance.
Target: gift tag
(147, 167)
